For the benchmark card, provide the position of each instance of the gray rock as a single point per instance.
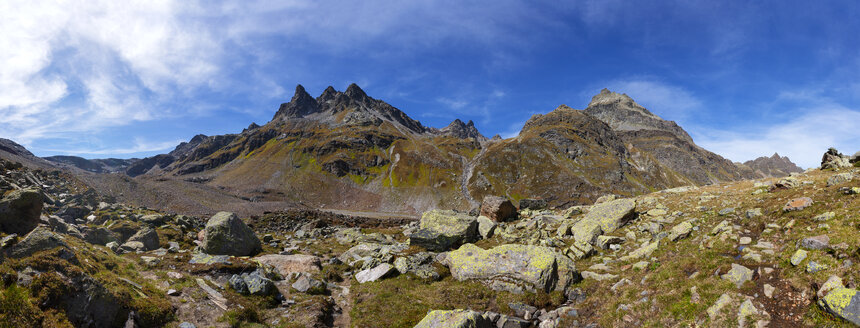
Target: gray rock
(727, 211)
(132, 247)
(153, 219)
(486, 227)
(813, 267)
(113, 246)
(602, 219)
(238, 284)
(418, 264)
(798, 257)
(306, 284)
(603, 242)
(532, 204)
(20, 211)
(39, 239)
(817, 242)
(753, 213)
(187, 325)
(98, 236)
(146, 236)
(203, 258)
(374, 274)
(680, 231)
(226, 234)
(258, 285)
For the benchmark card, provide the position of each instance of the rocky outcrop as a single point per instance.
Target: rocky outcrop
(603, 218)
(454, 319)
(461, 130)
(226, 234)
(20, 211)
(833, 160)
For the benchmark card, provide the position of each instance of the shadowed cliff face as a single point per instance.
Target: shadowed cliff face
(348, 150)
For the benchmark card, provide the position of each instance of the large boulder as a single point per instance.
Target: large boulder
(226, 234)
(514, 268)
(20, 211)
(603, 218)
(146, 236)
(832, 159)
(454, 319)
(442, 230)
(498, 209)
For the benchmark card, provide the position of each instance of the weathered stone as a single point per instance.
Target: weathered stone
(132, 247)
(839, 178)
(680, 231)
(785, 183)
(739, 274)
(798, 257)
(817, 242)
(643, 251)
(715, 309)
(147, 236)
(498, 209)
(843, 303)
(826, 216)
(813, 267)
(532, 204)
(153, 219)
(486, 227)
(768, 290)
(747, 309)
(98, 236)
(832, 283)
(833, 160)
(442, 230)
(258, 285)
(285, 265)
(753, 213)
(238, 284)
(514, 268)
(454, 319)
(226, 234)
(727, 211)
(418, 264)
(374, 274)
(203, 258)
(39, 239)
(306, 284)
(603, 219)
(797, 204)
(20, 211)
(603, 242)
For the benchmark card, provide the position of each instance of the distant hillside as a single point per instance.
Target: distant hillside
(348, 150)
(108, 165)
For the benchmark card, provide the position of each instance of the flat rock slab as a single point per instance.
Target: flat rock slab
(201, 258)
(843, 303)
(375, 273)
(817, 242)
(797, 204)
(602, 219)
(287, 264)
(454, 319)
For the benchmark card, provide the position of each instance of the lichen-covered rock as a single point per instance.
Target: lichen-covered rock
(640, 252)
(843, 303)
(498, 209)
(203, 258)
(454, 319)
(798, 257)
(833, 159)
(785, 183)
(226, 234)
(306, 284)
(680, 231)
(715, 309)
(153, 219)
(816, 242)
(419, 264)
(739, 274)
(486, 227)
(603, 218)
(20, 211)
(370, 254)
(515, 268)
(839, 178)
(441, 230)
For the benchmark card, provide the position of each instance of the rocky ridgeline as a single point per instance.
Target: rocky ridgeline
(764, 253)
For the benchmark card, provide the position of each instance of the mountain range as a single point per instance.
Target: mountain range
(347, 150)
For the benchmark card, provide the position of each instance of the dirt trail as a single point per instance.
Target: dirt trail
(468, 170)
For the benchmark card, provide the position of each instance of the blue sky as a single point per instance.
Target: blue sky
(132, 79)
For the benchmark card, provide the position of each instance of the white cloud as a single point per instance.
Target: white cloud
(665, 100)
(804, 138)
(139, 145)
(455, 104)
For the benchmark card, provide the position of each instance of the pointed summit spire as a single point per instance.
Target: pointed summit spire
(300, 105)
(329, 94)
(354, 92)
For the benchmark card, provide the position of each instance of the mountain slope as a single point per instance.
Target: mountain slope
(772, 167)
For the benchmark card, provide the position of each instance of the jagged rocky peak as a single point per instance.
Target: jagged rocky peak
(354, 91)
(773, 166)
(462, 130)
(302, 104)
(622, 113)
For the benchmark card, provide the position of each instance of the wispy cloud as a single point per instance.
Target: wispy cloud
(803, 138)
(139, 146)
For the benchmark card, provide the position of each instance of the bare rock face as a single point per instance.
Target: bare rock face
(20, 211)
(498, 209)
(773, 167)
(833, 159)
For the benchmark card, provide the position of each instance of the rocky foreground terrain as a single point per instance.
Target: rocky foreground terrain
(776, 252)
